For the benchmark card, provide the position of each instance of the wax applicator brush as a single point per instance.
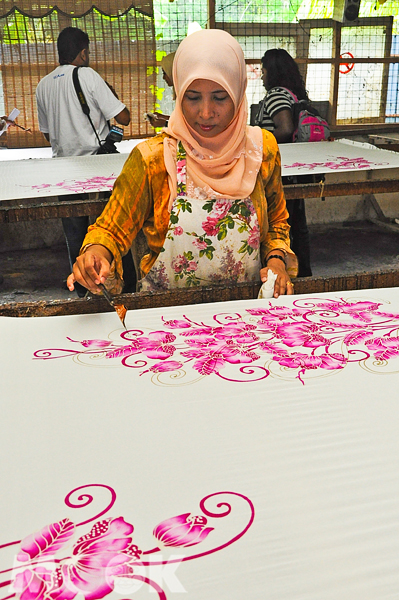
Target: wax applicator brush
(120, 309)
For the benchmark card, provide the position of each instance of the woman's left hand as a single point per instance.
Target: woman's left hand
(283, 284)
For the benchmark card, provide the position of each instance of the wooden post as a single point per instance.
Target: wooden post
(336, 50)
(385, 69)
(211, 14)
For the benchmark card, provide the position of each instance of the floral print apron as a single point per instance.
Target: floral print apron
(208, 242)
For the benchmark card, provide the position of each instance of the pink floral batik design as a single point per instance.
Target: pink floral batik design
(311, 337)
(51, 565)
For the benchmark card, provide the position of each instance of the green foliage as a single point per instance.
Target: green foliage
(159, 54)
(157, 91)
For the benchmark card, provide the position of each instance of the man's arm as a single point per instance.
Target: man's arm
(123, 118)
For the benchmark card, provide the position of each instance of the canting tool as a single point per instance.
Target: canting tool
(120, 309)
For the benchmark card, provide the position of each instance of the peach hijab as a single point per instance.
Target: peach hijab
(227, 164)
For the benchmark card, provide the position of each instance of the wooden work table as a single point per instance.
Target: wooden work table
(200, 295)
(32, 188)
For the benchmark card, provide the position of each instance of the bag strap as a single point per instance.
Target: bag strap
(82, 100)
(290, 93)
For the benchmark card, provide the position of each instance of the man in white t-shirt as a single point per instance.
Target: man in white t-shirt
(63, 122)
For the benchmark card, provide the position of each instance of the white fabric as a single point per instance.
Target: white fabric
(61, 115)
(319, 460)
(40, 178)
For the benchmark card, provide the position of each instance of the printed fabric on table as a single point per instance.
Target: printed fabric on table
(208, 242)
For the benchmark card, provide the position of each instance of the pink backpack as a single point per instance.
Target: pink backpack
(309, 125)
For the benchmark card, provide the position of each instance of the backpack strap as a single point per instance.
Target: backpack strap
(290, 93)
(82, 99)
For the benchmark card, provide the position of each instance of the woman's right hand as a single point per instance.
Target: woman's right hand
(91, 268)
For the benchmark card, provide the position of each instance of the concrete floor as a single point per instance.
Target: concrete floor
(32, 275)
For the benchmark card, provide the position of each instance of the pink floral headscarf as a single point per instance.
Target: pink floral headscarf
(227, 164)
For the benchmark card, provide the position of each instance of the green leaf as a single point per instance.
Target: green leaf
(222, 234)
(209, 253)
(242, 228)
(234, 209)
(208, 205)
(230, 224)
(174, 219)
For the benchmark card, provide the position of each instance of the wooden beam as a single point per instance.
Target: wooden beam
(52, 208)
(181, 297)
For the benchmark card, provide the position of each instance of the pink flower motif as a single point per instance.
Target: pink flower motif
(157, 344)
(220, 209)
(254, 237)
(98, 557)
(200, 244)
(241, 332)
(181, 170)
(301, 334)
(94, 343)
(384, 348)
(32, 584)
(210, 226)
(192, 266)
(357, 310)
(182, 531)
(179, 263)
(178, 230)
(304, 361)
(177, 324)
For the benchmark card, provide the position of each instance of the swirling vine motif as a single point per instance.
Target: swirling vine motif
(316, 336)
(103, 557)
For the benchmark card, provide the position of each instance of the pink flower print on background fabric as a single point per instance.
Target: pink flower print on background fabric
(254, 237)
(182, 531)
(106, 556)
(220, 208)
(192, 266)
(311, 335)
(178, 230)
(179, 263)
(211, 226)
(97, 558)
(200, 244)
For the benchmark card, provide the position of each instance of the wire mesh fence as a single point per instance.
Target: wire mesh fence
(350, 68)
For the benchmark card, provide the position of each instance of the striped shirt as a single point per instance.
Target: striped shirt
(276, 99)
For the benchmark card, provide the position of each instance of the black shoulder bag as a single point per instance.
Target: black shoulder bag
(115, 134)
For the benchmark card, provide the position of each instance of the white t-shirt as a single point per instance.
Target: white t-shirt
(60, 112)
